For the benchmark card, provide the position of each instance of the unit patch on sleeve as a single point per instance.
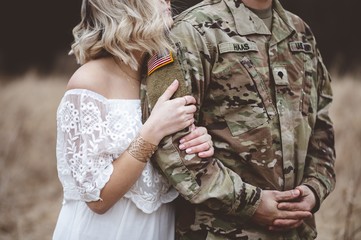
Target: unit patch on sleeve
(158, 61)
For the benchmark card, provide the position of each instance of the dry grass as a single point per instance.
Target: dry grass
(340, 215)
(29, 189)
(31, 194)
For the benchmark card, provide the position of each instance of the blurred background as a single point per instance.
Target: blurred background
(35, 40)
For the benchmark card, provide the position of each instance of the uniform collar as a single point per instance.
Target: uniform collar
(283, 22)
(249, 23)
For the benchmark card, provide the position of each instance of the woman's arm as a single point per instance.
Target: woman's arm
(167, 117)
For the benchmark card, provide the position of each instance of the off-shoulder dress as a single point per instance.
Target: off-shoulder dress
(92, 131)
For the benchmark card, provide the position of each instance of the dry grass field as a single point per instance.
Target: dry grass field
(30, 194)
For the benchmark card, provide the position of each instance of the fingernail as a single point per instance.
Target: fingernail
(174, 82)
(181, 147)
(296, 192)
(182, 140)
(189, 150)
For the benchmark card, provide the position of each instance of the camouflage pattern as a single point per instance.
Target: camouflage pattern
(264, 98)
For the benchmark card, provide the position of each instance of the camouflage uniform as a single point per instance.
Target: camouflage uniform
(264, 98)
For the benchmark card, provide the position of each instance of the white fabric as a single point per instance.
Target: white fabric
(123, 221)
(92, 131)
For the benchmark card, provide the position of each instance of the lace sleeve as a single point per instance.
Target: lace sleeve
(90, 134)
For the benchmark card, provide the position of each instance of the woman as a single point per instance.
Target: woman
(111, 191)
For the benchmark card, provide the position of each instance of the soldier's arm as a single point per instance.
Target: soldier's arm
(205, 181)
(319, 170)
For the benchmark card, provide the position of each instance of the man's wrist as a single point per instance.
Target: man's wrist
(253, 200)
(317, 199)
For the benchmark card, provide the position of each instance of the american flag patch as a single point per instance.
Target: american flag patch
(158, 61)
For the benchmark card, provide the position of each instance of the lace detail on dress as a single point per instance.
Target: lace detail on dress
(91, 132)
(143, 191)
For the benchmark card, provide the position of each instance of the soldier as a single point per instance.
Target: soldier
(263, 92)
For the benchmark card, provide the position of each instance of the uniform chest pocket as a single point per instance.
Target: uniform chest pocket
(245, 120)
(246, 103)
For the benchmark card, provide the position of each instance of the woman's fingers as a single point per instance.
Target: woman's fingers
(204, 142)
(197, 136)
(195, 133)
(173, 115)
(189, 100)
(203, 150)
(208, 153)
(192, 127)
(198, 141)
(190, 109)
(200, 148)
(169, 92)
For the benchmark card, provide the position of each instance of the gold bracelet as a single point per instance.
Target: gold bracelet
(141, 149)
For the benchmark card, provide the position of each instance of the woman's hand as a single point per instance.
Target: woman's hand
(169, 115)
(198, 141)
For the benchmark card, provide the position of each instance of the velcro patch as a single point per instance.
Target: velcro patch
(280, 76)
(237, 47)
(159, 80)
(158, 61)
(299, 46)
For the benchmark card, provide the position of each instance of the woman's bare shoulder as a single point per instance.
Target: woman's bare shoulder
(92, 76)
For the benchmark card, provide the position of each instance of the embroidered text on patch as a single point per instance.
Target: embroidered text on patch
(157, 61)
(299, 46)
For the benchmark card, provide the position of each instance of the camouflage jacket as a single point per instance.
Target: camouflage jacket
(264, 97)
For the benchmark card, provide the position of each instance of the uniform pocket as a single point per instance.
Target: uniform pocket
(244, 120)
(239, 91)
(256, 108)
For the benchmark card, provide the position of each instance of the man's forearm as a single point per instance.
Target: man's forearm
(206, 181)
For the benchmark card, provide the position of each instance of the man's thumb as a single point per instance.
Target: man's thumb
(288, 195)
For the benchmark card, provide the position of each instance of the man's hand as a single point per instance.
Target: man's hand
(305, 202)
(268, 211)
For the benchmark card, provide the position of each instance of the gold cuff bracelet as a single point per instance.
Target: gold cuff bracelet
(141, 149)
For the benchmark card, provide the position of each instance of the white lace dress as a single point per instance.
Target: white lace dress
(92, 131)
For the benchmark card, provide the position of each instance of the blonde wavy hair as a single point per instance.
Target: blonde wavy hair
(120, 28)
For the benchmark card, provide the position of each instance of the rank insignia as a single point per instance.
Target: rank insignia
(280, 76)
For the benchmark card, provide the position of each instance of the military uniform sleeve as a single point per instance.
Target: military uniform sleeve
(200, 181)
(320, 160)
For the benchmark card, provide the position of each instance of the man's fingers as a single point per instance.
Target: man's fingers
(285, 224)
(289, 220)
(295, 214)
(291, 206)
(288, 195)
